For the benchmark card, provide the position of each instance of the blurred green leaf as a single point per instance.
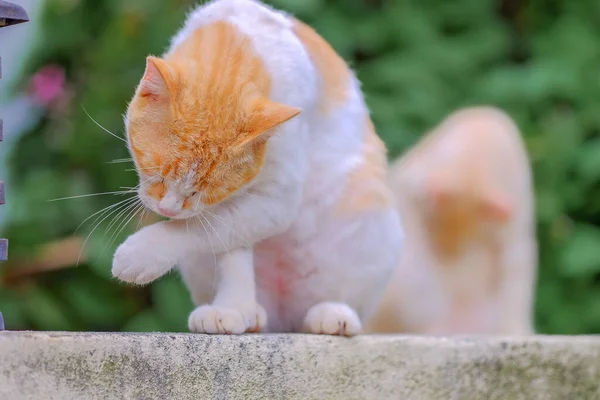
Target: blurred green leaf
(417, 60)
(12, 311)
(145, 321)
(581, 253)
(173, 303)
(45, 311)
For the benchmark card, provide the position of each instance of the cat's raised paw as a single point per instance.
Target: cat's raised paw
(332, 319)
(224, 320)
(137, 265)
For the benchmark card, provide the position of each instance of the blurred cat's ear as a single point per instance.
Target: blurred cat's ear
(497, 207)
(156, 83)
(266, 116)
(437, 191)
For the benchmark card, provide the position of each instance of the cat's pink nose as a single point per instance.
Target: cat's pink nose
(166, 213)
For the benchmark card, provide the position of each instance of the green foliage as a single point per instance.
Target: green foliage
(418, 61)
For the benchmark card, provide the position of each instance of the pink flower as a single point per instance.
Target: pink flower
(48, 85)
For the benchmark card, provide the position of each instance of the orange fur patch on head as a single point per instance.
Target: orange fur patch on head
(462, 202)
(204, 109)
(333, 70)
(497, 207)
(461, 187)
(157, 190)
(451, 220)
(449, 230)
(367, 187)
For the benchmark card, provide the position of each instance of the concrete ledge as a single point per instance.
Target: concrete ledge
(180, 366)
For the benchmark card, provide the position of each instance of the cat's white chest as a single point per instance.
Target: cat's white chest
(281, 280)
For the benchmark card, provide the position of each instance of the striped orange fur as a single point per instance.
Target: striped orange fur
(334, 73)
(367, 189)
(204, 108)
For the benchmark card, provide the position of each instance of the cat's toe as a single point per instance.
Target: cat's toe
(332, 319)
(225, 320)
(138, 276)
(131, 271)
(217, 320)
(134, 266)
(257, 319)
(124, 266)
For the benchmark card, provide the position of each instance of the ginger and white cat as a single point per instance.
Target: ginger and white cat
(470, 260)
(252, 135)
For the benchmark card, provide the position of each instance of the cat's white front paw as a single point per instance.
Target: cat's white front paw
(137, 262)
(225, 320)
(332, 319)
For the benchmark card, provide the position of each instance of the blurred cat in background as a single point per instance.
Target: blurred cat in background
(469, 263)
(251, 134)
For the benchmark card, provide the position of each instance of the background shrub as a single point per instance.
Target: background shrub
(418, 61)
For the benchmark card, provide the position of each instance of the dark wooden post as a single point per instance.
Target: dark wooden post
(10, 14)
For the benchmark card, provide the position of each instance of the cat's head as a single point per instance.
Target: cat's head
(462, 194)
(197, 138)
(461, 208)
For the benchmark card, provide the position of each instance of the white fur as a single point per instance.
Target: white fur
(418, 298)
(234, 308)
(335, 267)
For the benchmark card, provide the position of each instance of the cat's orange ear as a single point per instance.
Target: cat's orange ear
(157, 79)
(436, 191)
(266, 116)
(497, 207)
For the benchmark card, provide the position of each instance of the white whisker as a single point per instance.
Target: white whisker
(120, 160)
(215, 231)
(120, 192)
(144, 211)
(216, 217)
(121, 205)
(214, 288)
(105, 209)
(95, 227)
(127, 219)
(101, 127)
(116, 219)
(122, 216)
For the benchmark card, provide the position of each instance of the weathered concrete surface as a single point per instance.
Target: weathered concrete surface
(167, 366)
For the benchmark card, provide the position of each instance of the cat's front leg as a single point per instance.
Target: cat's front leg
(146, 255)
(234, 309)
